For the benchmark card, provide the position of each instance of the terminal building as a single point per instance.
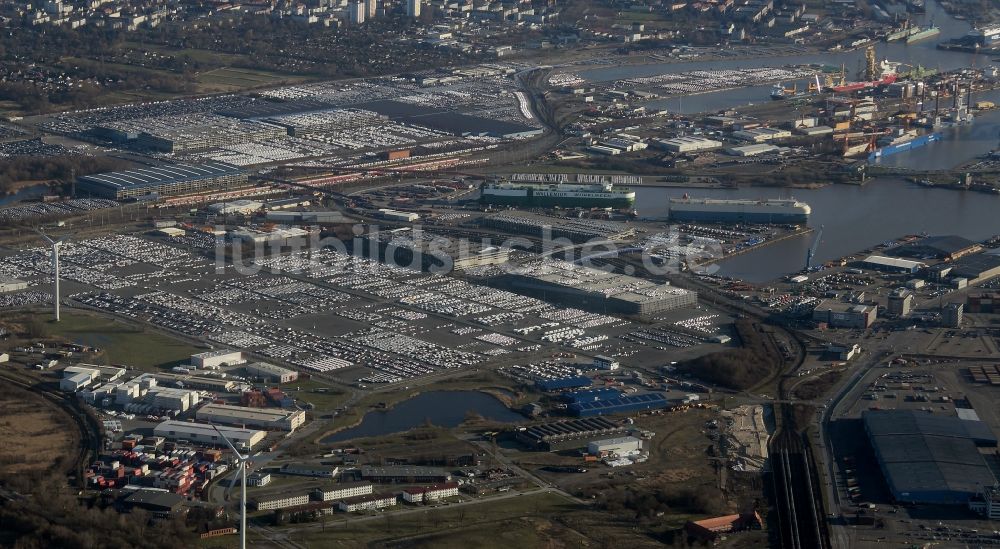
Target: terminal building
(163, 180)
(596, 290)
(928, 458)
(263, 418)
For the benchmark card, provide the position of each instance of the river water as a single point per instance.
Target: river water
(853, 218)
(441, 408)
(959, 145)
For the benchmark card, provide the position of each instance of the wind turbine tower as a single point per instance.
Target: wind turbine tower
(241, 474)
(55, 244)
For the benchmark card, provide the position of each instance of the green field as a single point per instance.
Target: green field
(123, 344)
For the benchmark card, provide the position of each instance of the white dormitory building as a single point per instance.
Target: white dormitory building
(365, 503)
(279, 501)
(216, 359)
(343, 491)
(263, 418)
(424, 494)
(207, 434)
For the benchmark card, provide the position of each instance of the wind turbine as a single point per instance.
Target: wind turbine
(241, 460)
(56, 244)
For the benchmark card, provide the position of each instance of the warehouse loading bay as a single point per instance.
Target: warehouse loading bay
(930, 503)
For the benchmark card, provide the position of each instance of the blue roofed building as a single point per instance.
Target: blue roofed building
(561, 383)
(623, 404)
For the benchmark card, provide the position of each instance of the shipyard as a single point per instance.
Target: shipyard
(450, 274)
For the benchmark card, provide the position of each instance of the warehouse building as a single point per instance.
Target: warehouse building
(687, 144)
(928, 458)
(79, 378)
(277, 501)
(891, 264)
(342, 491)
(404, 473)
(752, 150)
(8, 284)
(569, 434)
(272, 373)
(191, 132)
(591, 395)
(271, 419)
(216, 359)
(988, 303)
(241, 206)
(619, 446)
(207, 434)
(762, 135)
(307, 470)
(597, 290)
(837, 314)
(977, 268)
(395, 215)
(624, 404)
(163, 180)
(947, 248)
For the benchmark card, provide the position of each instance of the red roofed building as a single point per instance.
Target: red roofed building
(711, 528)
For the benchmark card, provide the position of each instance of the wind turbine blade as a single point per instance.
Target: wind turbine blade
(239, 456)
(45, 236)
(236, 477)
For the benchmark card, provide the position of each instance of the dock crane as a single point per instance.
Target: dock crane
(812, 249)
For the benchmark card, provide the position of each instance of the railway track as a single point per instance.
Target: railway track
(796, 495)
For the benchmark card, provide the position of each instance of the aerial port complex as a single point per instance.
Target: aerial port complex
(474, 274)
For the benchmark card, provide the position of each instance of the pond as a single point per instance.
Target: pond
(441, 408)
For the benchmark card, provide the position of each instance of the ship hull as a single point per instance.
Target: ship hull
(736, 217)
(561, 201)
(915, 143)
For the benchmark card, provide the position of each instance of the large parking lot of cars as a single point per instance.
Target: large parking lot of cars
(326, 310)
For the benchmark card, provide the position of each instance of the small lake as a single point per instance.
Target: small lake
(441, 408)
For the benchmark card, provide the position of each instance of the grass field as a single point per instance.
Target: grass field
(233, 79)
(123, 344)
(484, 525)
(34, 433)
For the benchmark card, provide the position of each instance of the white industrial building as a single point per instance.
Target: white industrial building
(76, 380)
(343, 491)
(241, 206)
(752, 150)
(688, 143)
(11, 285)
(264, 418)
(134, 389)
(364, 503)
(206, 434)
(216, 359)
(395, 215)
(270, 372)
(278, 501)
(259, 479)
(169, 398)
(602, 362)
(618, 445)
(762, 135)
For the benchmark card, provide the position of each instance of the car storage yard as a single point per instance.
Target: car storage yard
(326, 311)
